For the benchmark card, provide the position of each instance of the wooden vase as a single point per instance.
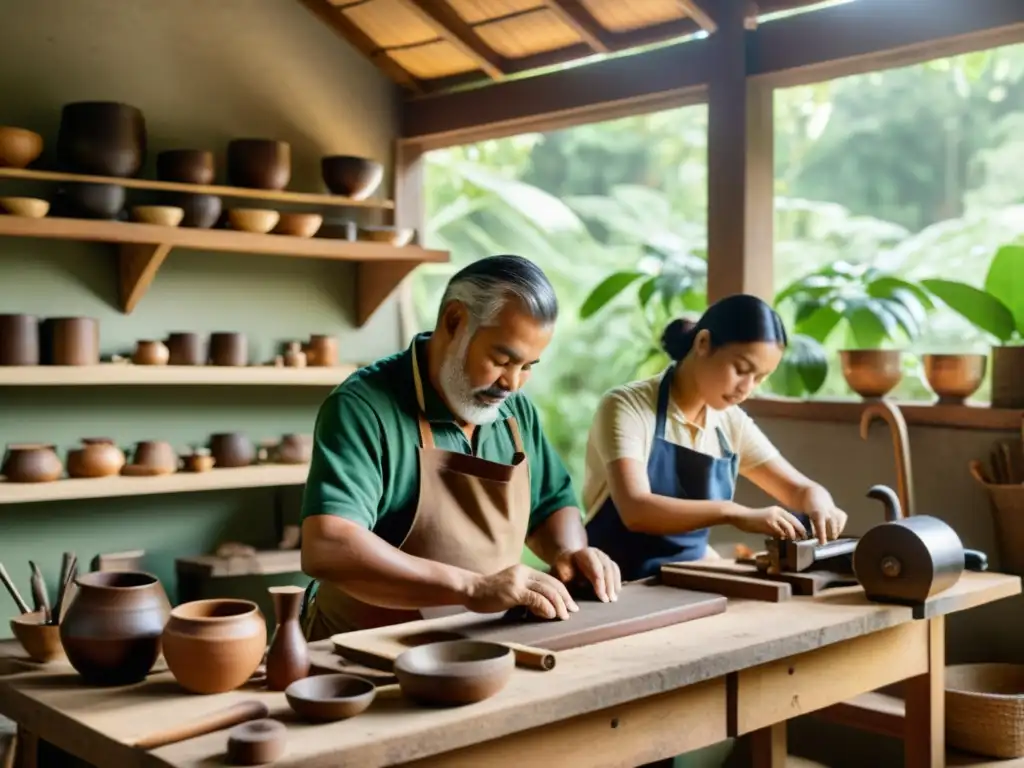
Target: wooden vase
(288, 657)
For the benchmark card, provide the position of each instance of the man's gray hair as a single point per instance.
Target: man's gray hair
(486, 285)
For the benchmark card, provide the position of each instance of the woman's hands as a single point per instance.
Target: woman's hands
(827, 521)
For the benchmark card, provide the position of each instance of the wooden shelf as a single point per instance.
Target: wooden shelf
(113, 374)
(144, 247)
(980, 416)
(265, 563)
(262, 476)
(266, 195)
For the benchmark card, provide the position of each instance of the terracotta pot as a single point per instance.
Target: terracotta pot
(31, 463)
(156, 455)
(99, 457)
(188, 166)
(71, 341)
(232, 449)
(293, 356)
(259, 163)
(871, 373)
(18, 146)
(186, 349)
(101, 137)
(229, 349)
(40, 641)
(94, 201)
(954, 378)
(1008, 377)
(149, 352)
(214, 646)
(19, 340)
(322, 351)
(293, 449)
(111, 631)
(288, 657)
(355, 177)
(201, 211)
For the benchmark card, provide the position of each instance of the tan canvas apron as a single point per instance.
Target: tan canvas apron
(471, 513)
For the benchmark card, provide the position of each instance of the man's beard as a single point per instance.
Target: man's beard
(458, 390)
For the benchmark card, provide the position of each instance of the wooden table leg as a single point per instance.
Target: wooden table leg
(26, 748)
(925, 723)
(768, 746)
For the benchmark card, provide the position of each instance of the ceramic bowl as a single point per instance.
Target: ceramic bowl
(29, 207)
(396, 236)
(258, 220)
(953, 377)
(871, 373)
(259, 163)
(186, 166)
(454, 672)
(18, 146)
(351, 176)
(40, 641)
(298, 224)
(330, 697)
(161, 215)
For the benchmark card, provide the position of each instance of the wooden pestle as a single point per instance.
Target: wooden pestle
(241, 712)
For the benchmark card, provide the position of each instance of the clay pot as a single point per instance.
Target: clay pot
(201, 211)
(1008, 377)
(214, 646)
(148, 352)
(111, 631)
(954, 378)
(101, 137)
(232, 449)
(288, 657)
(293, 449)
(26, 207)
(259, 163)
(298, 224)
(94, 201)
(19, 147)
(323, 698)
(454, 672)
(71, 341)
(293, 356)
(157, 456)
(19, 340)
(186, 349)
(31, 463)
(99, 457)
(321, 351)
(187, 166)
(158, 215)
(871, 373)
(355, 177)
(229, 349)
(40, 641)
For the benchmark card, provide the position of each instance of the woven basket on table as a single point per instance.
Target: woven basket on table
(985, 709)
(1007, 503)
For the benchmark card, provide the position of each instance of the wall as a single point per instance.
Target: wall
(202, 72)
(834, 455)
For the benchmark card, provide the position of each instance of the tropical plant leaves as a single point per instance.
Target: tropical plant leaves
(607, 290)
(1005, 281)
(803, 369)
(978, 307)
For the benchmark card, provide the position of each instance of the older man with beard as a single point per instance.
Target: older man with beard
(430, 471)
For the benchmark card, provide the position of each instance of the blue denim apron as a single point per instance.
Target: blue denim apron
(678, 473)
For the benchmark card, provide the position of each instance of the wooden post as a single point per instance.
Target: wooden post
(410, 211)
(740, 165)
(925, 725)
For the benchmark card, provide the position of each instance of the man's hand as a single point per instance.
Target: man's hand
(521, 585)
(828, 522)
(595, 566)
(770, 521)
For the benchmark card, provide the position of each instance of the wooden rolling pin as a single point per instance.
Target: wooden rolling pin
(242, 712)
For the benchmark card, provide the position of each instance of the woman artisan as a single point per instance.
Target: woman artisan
(664, 453)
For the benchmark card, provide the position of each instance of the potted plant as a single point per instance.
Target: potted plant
(875, 308)
(997, 310)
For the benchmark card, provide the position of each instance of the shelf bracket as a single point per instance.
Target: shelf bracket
(138, 264)
(375, 281)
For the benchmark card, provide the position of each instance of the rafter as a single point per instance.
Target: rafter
(453, 28)
(582, 21)
(698, 14)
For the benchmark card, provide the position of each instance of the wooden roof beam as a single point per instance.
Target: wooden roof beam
(453, 28)
(333, 18)
(698, 14)
(583, 23)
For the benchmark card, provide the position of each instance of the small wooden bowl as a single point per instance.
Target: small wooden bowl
(298, 224)
(40, 641)
(330, 697)
(29, 207)
(871, 373)
(454, 672)
(396, 236)
(352, 176)
(18, 146)
(258, 220)
(161, 215)
(953, 377)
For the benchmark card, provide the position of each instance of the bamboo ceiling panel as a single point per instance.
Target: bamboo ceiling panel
(528, 33)
(390, 23)
(477, 11)
(433, 60)
(625, 15)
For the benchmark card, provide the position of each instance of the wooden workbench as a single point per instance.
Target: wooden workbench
(628, 701)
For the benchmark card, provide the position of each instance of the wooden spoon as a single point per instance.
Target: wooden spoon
(242, 712)
(977, 470)
(13, 590)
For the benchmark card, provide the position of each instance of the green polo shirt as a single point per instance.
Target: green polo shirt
(366, 440)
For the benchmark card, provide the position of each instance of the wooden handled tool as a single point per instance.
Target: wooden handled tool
(13, 590)
(39, 596)
(241, 712)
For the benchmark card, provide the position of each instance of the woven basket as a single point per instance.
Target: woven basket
(1007, 502)
(985, 709)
